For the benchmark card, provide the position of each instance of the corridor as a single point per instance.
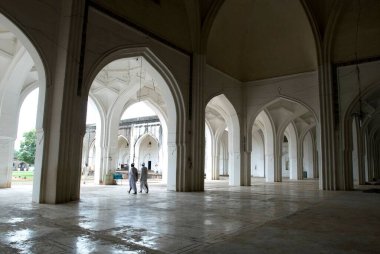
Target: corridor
(287, 217)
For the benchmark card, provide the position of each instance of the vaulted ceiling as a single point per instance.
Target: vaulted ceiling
(258, 39)
(122, 77)
(12, 57)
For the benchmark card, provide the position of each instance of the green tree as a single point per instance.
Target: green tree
(27, 150)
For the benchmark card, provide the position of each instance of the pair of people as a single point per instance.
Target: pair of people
(133, 178)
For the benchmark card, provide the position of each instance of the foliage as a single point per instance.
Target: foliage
(27, 150)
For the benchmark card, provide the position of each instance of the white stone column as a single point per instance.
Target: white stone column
(315, 155)
(293, 160)
(172, 157)
(300, 159)
(345, 167)
(355, 151)
(64, 113)
(215, 159)
(38, 164)
(6, 159)
(193, 178)
(362, 155)
(329, 175)
(277, 176)
(270, 161)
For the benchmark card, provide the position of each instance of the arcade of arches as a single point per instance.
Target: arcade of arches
(281, 92)
(274, 120)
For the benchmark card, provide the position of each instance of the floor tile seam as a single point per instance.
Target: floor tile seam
(186, 249)
(196, 239)
(221, 238)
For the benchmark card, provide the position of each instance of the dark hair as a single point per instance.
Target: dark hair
(132, 165)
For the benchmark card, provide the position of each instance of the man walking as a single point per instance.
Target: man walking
(133, 176)
(144, 178)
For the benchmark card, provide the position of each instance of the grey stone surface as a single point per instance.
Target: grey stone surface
(287, 217)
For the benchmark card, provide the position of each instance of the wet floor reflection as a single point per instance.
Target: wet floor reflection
(19, 235)
(138, 237)
(109, 220)
(15, 220)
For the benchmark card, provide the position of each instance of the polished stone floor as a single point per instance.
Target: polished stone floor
(288, 217)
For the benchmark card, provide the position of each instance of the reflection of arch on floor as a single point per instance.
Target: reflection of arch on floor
(175, 110)
(226, 110)
(13, 84)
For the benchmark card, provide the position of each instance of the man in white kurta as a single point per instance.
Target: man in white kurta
(144, 178)
(133, 176)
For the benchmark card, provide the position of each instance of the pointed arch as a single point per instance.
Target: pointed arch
(355, 129)
(225, 108)
(173, 99)
(258, 152)
(265, 122)
(140, 157)
(37, 60)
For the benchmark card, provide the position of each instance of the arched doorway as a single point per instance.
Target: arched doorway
(263, 159)
(124, 152)
(258, 154)
(123, 81)
(147, 152)
(284, 123)
(361, 139)
(223, 122)
(22, 72)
